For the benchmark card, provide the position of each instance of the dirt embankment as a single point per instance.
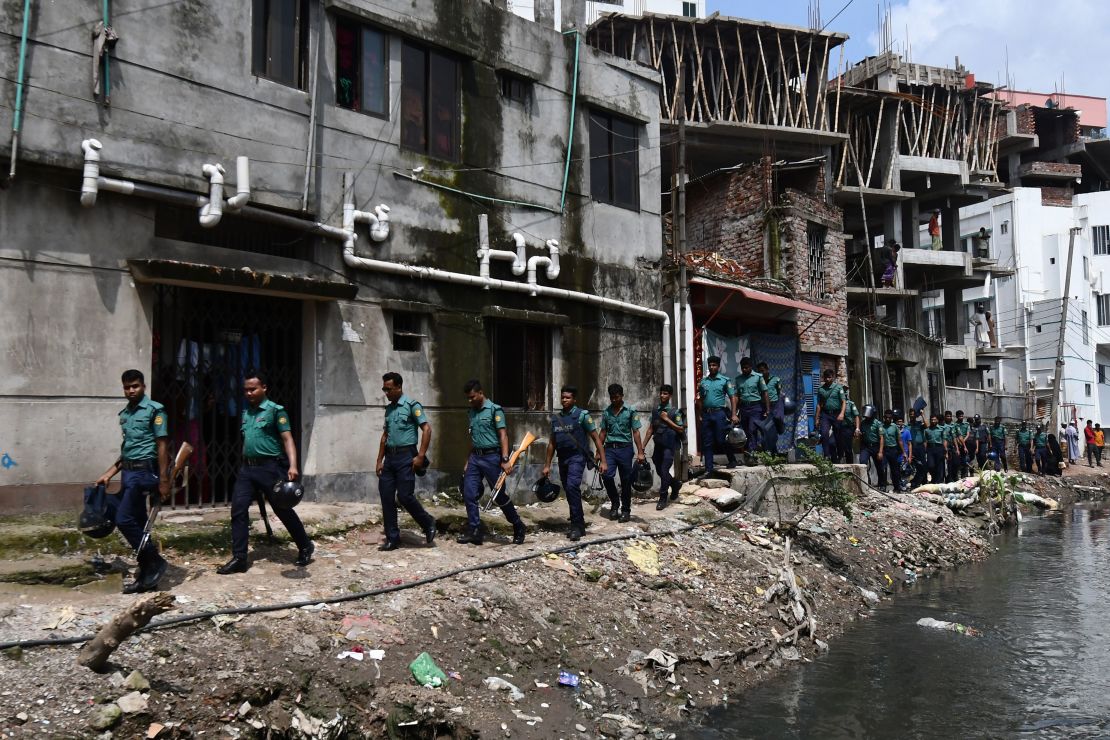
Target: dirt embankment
(656, 629)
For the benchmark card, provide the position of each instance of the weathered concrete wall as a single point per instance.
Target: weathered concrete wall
(985, 403)
(183, 94)
(908, 353)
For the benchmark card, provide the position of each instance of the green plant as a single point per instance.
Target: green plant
(822, 488)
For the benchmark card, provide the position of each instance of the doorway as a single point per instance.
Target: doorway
(203, 343)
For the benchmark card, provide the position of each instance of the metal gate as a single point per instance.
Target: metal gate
(204, 342)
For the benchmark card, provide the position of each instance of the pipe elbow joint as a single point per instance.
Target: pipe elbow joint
(89, 184)
(242, 185)
(212, 211)
(379, 231)
(553, 264)
(520, 264)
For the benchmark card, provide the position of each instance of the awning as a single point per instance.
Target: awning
(760, 296)
(243, 280)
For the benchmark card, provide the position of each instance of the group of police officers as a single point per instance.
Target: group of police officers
(942, 450)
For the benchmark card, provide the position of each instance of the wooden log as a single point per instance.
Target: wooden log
(95, 653)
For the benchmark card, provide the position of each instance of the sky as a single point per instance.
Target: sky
(1047, 47)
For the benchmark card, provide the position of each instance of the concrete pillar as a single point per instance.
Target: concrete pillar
(574, 15)
(953, 315)
(950, 228)
(892, 222)
(911, 212)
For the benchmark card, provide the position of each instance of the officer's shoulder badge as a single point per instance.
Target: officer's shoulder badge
(417, 412)
(282, 420)
(497, 417)
(158, 419)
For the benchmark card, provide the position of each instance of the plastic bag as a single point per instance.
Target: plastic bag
(426, 672)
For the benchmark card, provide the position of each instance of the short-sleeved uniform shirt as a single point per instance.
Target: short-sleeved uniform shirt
(934, 436)
(917, 433)
(663, 433)
(747, 388)
(830, 398)
(962, 428)
(949, 432)
(1040, 440)
(142, 426)
(871, 431)
(850, 412)
(772, 386)
(571, 434)
(715, 390)
(618, 425)
(1024, 437)
(484, 423)
(998, 432)
(262, 428)
(402, 421)
(890, 436)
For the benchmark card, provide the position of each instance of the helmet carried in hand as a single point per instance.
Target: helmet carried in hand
(736, 436)
(545, 490)
(286, 494)
(642, 479)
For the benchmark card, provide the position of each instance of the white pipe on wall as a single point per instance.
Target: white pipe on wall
(518, 258)
(242, 185)
(212, 211)
(91, 147)
(551, 262)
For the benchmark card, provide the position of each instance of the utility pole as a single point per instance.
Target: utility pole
(1057, 378)
(679, 209)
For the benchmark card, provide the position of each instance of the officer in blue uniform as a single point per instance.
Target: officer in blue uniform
(489, 456)
(666, 428)
(144, 460)
(830, 415)
(716, 404)
(751, 402)
(399, 459)
(571, 430)
(774, 414)
(620, 428)
(269, 456)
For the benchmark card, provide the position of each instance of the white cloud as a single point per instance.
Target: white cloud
(1047, 42)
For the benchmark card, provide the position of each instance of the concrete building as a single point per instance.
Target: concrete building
(460, 123)
(582, 13)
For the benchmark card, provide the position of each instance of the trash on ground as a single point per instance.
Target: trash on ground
(496, 683)
(645, 556)
(566, 678)
(426, 672)
(938, 624)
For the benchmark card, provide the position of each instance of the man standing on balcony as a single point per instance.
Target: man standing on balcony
(934, 230)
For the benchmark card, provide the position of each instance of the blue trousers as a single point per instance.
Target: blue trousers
(1042, 461)
(260, 478)
(868, 453)
(571, 467)
(920, 460)
(487, 468)
(936, 463)
(1025, 459)
(714, 426)
(830, 436)
(999, 446)
(397, 485)
(132, 513)
(619, 458)
(663, 458)
(751, 418)
(891, 456)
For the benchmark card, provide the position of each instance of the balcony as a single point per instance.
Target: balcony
(919, 268)
(1050, 171)
(959, 357)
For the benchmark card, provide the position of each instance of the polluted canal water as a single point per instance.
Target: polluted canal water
(1041, 668)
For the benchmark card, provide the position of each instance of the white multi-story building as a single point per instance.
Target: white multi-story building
(1031, 238)
(560, 9)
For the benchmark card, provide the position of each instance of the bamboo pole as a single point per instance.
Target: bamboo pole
(767, 80)
(839, 85)
(744, 78)
(784, 85)
(875, 144)
(724, 71)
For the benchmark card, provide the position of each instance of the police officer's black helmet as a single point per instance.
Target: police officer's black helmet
(95, 525)
(788, 405)
(422, 469)
(286, 494)
(642, 479)
(907, 470)
(545, 490)
(736, 436)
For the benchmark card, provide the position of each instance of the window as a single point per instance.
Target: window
(1100, 235)
(897, 387)
(1004, 228)
(515, 88)
(1038, 328)
(934, 393)
(815, 235)
(614, 160)
(1086, 269)
(1103, 374)
(361, 68)
(1052, 260)
(279, 30)
(1086, 329)
(408, 331)
(520, 355)
(1102, 309)
(690, 10)
(875, 369)
(1087, 389)
(429, 102)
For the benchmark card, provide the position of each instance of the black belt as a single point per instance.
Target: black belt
(254, 462)
(487, 450)
(398, 448)
(618, 445)
(138, 465)
(714, 408)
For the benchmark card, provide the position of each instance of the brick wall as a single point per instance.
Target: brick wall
(1056, 196)
(801, 212)
(1026, 120)
(1051, 168)
(725, 214)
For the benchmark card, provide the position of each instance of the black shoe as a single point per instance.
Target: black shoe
(614, 511)
(518, 533)
(625, 516)
(430, 533)
(389, 545)
(304, 555)
(577, 531)
(235, 565)
(136, 586)
(154, 572)
(470, 537)
(674, 495)
(662, 504)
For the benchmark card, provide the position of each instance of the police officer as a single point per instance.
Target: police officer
(998, 441)
(871, 449)
(830, 414)
(936, 448)
(917, 447)
(962, 429)
(144, 460)
(981, 438)
(771, 388)
(399, 459)
(892, 451)
(716, 403)
(666, 428)
(269, 456)
(849, 430)
(1024, 439)
(569, 432)
(488, 458)
(948, 424)
(751, 401)
(1040, 449)
(620, 428)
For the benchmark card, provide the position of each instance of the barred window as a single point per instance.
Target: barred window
(1100, 235)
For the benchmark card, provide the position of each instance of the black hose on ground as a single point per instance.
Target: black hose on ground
(197, 616)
